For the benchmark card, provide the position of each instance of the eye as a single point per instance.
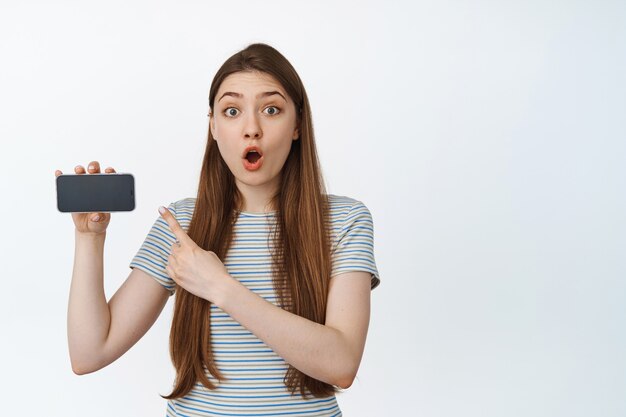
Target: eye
(274, 110)
(231, 112)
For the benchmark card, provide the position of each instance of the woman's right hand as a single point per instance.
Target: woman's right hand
(94, 223)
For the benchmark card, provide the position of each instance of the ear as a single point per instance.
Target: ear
(212, 124)
(296, 130)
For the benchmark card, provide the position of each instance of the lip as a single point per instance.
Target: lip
(252, 148)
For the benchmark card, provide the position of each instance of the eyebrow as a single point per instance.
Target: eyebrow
(265, 94)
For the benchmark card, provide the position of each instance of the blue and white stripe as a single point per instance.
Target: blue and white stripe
(254, 372)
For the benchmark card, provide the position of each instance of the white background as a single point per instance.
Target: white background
(488, 140)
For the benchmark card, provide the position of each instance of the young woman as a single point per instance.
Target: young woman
(279, 325)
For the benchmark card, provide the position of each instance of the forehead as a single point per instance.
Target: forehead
(249, 83)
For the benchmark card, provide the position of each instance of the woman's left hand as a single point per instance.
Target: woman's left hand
(198, 271)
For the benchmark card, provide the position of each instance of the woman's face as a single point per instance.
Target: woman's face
(253, 109)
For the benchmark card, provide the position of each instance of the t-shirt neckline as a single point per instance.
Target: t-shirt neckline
(249, 213)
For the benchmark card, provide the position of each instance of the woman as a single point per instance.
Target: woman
(282, 322)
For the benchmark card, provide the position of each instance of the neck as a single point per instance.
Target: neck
(257, 198)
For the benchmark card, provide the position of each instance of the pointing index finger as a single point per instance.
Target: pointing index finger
(175, 227)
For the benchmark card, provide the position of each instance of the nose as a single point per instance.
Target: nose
(252, 127)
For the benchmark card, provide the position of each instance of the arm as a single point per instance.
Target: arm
(330, 352)
(100, 332)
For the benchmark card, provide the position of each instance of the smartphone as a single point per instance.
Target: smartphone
(87, 193)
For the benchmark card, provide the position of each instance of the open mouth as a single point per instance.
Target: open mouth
(253, 156)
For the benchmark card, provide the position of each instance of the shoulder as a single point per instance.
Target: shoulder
(183, 211)
(342, 210)
(342, 207)
(188, 203)
(348, 216)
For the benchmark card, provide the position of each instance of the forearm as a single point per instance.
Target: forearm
(88, 315)
(313, 348)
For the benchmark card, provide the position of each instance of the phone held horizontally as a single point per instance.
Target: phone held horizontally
(87, 193)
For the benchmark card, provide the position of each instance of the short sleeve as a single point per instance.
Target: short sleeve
(154, 252)
(354, 250)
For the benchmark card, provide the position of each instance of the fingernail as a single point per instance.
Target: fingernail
(96, 218)
(161, 209)
(91, 167)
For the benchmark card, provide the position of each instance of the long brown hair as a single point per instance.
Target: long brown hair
(301, 262)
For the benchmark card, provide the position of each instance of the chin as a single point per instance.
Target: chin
(253, 179)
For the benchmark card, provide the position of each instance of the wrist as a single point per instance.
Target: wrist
(89, 235)
(227, 292)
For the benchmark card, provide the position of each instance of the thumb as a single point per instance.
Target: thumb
(96, 217)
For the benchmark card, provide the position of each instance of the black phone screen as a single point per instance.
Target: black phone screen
(86, 193)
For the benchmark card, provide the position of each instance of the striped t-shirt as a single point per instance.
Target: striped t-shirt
(254, 372)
